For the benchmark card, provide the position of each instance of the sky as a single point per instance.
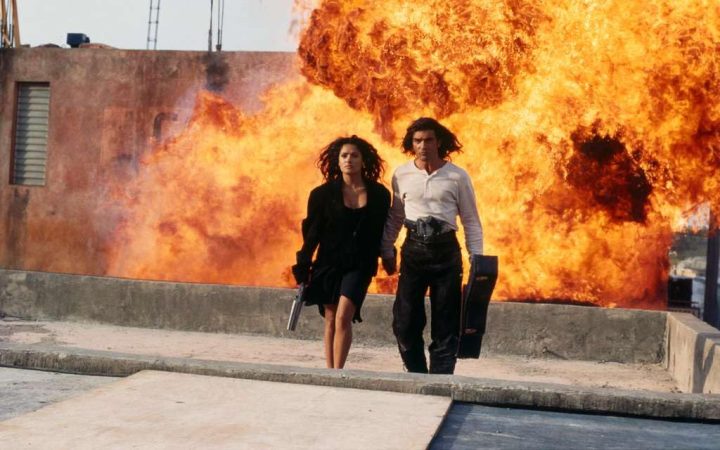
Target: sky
(261, 25)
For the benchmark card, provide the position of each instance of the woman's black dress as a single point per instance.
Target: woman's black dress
(347, 242)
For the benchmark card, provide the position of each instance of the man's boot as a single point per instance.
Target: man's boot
(414, 361)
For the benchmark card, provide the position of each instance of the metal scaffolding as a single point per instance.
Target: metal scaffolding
(220, 24)
(9, 24)
(153, 22)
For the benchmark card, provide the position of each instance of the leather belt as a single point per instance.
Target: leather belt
(430, 230)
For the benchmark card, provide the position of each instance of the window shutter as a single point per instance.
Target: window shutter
(31, 131)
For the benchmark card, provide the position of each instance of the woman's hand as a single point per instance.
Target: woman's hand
(301, 273)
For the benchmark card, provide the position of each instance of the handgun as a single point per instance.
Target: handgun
(296, 307)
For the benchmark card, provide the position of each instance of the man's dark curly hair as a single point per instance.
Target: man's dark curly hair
(447, 140)
(373, 164)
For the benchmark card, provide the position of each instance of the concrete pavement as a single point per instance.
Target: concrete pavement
(24, 391)
(46, 346)
(558, 357)
(531, 330)
(171, 410)
(684, 345)
(260, 349)
(180, 412)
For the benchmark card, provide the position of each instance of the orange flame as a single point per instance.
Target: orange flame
(590, 129)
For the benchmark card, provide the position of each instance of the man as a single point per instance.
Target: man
(428, 195)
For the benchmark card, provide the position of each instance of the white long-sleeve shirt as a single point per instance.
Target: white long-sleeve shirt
(444, 194)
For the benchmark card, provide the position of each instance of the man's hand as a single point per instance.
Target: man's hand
(390, 265)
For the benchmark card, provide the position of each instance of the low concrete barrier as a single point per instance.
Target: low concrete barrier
(534, 330)
(473, 390)
(693, 353)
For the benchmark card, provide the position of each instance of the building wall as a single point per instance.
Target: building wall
(107, 107)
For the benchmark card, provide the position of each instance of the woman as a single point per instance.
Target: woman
(345, 220)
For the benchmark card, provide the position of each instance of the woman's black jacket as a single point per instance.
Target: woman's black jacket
(323, 228)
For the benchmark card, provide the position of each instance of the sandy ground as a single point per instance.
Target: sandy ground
(270, 350)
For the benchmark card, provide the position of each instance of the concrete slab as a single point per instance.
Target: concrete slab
(530, 330)
(473, 390)
(170, 410)
(692, 354)
(304, 353)
(92, 349)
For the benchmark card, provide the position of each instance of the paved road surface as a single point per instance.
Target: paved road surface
(24, 391)
(470, 427)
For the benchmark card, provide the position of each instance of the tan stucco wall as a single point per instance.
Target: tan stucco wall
(103, 109)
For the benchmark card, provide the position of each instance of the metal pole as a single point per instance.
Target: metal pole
(157, 25)
(4, 40)
(16, 24)
(147, 44)
(710, 311)
(210, 29)
(220, 23)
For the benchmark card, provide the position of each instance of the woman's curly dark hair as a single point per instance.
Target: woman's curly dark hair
(373, 164)
(448, 141)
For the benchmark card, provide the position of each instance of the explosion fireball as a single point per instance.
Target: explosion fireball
(590, 130)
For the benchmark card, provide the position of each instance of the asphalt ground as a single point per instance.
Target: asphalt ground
(470, 427)
(23, 391)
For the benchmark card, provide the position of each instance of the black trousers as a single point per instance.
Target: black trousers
(437, 266)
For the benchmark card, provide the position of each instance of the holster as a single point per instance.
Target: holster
(429, 230)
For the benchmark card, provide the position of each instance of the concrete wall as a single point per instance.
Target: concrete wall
(106, 107)
(534, 330)
(693, 353)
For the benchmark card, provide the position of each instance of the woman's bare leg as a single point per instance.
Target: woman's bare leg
(343, 331)
(329, 338)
